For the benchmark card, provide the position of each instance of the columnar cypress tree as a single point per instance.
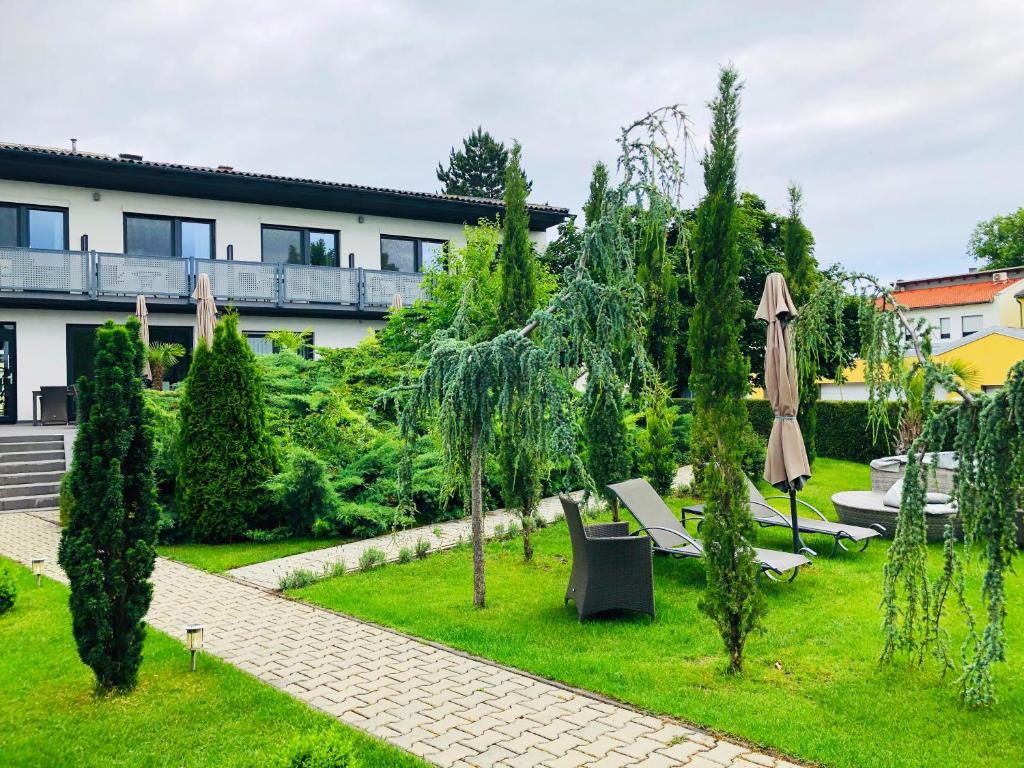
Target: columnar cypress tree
(656, 273)
(517, 261)
(225, 450)
(801, 274)
(604, 431)
(720, 380)
(658, 459)
(598, 189)
(107, 549)
(522, 465)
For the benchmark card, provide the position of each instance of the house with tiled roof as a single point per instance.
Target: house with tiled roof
(83, 233)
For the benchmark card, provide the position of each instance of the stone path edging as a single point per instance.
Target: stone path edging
(444, 706)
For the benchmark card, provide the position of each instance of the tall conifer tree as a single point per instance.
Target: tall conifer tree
(720, 380)
(477, 169)
(107, 549)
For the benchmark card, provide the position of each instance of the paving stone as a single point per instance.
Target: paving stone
(440, 705)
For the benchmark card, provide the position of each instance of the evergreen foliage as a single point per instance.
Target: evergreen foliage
(801, 275)
(720, 380)
(657, 441)
(107, 549)
(517, 261)
(226, 455)
(593, 209)
(162, 356)
(562, 253)
(604, 431)
(302, 493)
(999, 242)
(8, 591)
(655, 271)
(477, 169)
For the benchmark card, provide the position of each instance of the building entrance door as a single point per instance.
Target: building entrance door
(8, 373)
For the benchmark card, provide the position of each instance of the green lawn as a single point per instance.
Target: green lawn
(812, 686)
(217, 558)
(217, 716)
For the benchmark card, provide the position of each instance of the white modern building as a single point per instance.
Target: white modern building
(82, 234)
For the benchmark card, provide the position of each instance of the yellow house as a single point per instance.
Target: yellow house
(991, 352)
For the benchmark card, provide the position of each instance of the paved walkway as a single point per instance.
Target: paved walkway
(445, 535)
(447, 708)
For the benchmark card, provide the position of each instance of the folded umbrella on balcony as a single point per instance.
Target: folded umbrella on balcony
(142, 312)
(786, 466)
(206, 310)
(397, 303)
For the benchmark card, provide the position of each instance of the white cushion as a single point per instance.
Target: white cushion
(894, 496)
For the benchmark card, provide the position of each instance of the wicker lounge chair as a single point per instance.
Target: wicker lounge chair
(869, 507)
(767, 515)
(611, 570)
(671, 538)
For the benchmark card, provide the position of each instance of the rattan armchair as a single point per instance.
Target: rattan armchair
(611, 570)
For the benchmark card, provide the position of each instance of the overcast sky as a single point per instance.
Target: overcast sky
(903, 122)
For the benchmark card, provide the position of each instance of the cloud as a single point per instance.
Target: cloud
(900, 119)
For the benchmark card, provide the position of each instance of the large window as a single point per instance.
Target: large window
(33, 226)
(169, 236)
(970, 324)
(260, 344)
(298, 245)
(409, 254)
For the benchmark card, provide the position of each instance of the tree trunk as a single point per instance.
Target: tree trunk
(476, 461)
(615, 509)
(158, 376)
(527, 542)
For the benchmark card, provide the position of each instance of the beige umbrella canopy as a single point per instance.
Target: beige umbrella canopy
(397, 303)
(786, 466)
(206, 310)
(142, 312)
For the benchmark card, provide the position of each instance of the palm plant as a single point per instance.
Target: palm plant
(912, 419)
(162, 356)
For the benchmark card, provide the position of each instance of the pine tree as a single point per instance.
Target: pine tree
(107, 549)
(522, 465)
(720, 380)
(801, 274)
(517, 261)
(478, 169)
(225, 450)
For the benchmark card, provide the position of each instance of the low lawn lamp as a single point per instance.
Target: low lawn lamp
(194, 641)
(37, 569)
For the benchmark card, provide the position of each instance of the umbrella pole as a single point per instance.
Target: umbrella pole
(798, 543)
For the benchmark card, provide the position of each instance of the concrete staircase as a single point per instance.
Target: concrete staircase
(31, 467)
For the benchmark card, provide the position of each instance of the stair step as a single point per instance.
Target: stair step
(29, 478)
(5, 439)
(16, 503)
(41, 455)
(29, 489)
(14, 467)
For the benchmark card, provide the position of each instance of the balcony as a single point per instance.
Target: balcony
(90, 277)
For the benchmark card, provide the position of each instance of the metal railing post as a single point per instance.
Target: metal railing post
(282, 285)
(360, 289)
(93, 270)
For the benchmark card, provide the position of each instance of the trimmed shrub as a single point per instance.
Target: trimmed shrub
(225, 451)
(302, 493)
(8, 591)
(107, 549)
(371, 558)
(65, 501)
(326, 749)
(405, 555)
(656, 443)
(267, 537)
(422, 548)
(297, 579)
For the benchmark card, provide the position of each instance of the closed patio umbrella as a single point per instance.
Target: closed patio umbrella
(142, 312)
(206, 310)
(396, 302)
(786, 466)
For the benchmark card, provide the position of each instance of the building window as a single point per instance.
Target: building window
(296, 245)
(409, 254)
(33, 226)
(260, 344)
(944, 327)
(970, 324)
(168, 236)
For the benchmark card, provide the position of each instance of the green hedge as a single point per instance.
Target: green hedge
(842, 430)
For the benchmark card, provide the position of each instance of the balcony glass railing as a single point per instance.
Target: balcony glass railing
(105, 275)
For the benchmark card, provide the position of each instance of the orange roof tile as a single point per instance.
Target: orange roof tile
(951, 295)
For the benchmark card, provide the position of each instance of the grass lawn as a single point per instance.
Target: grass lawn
(812, 685)
(217, 716)
(217, 558)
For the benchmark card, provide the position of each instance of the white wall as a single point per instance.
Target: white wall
(42, 352)
(989, 311)
(237, 224)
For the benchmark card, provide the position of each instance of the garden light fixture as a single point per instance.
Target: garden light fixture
(37, 569)
(194, 641)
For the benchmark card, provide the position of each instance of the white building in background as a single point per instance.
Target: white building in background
(82, 234)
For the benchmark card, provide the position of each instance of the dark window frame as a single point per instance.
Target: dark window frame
(417, 252)
(304, 233)
(949, 328)
(176, 222)
(965, 333)
(307, 349)
(22, 209)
